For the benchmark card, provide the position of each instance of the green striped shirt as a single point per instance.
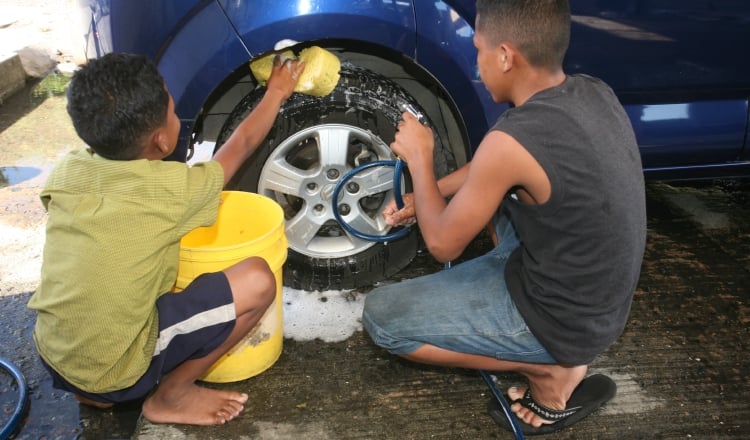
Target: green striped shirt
(112, 245)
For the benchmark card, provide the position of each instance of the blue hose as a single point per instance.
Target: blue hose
(503, 404)
(398, 170)
(23, 400)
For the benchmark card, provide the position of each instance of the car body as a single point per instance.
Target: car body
(677, 67)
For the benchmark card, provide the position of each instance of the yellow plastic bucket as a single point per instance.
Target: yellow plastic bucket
(247, 225)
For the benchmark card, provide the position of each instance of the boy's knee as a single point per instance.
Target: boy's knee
(263, 278)
(375, 312)
(253, 283)
(384, 332)
(378, 304)
(369, 308)
(269, 287)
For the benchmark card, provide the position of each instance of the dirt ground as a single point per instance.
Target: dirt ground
(44, 33)
(28, 149)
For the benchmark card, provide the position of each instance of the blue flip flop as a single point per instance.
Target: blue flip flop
(590, 395)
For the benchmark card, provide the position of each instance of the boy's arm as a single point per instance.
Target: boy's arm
(255, 127)
(499, 164)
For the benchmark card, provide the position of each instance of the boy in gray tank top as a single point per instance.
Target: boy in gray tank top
(559, 178)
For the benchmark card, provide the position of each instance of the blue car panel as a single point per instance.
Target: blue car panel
(675, 67)
(193, 69)
(262, 23)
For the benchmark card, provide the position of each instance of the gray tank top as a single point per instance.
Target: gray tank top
(574, 275)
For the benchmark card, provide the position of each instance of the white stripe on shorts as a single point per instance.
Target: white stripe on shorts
(218, 315)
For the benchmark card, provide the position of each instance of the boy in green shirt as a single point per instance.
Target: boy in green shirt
(107, 329)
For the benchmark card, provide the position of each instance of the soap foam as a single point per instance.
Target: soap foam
(332, 316)
(319, 78)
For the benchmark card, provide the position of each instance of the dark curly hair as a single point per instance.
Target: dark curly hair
(115, 101)
(539, 28)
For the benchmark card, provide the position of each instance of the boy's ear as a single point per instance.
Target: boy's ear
(505, 57)
(156, 145)
(160, 141)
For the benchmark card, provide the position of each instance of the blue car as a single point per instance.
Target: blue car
(679, 67)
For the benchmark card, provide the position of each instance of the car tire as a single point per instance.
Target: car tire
(312, 145)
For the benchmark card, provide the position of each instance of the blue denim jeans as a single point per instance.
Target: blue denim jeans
(466, 309)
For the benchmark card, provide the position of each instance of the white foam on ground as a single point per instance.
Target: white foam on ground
(331, 316)
(631, 397)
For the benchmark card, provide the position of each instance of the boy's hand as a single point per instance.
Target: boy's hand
(401, 217)
(251, 132)
(284, 76)
(414, 142)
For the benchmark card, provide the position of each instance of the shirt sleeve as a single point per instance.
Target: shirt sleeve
(204, 184)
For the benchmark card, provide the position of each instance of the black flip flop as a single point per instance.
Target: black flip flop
(589, 396)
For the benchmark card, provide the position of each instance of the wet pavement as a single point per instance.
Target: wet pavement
(681, 365)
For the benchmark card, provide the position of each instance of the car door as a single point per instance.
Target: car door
(678, 69)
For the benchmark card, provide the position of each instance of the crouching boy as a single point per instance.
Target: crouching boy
(107, 328)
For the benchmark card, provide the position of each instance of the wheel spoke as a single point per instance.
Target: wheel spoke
(282, 177)
(303, 227)
(334, 144)
(374, 181)
(363, 223)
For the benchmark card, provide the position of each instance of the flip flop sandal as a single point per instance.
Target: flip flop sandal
(589, 396)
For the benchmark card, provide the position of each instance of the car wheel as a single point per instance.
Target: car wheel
(313, 144)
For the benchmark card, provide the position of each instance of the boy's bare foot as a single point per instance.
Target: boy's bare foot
(193, 405)
(94, 403)
(552, 389)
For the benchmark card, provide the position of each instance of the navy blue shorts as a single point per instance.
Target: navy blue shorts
(192, 324)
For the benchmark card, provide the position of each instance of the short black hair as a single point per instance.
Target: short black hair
(539, 28)
(115, 101)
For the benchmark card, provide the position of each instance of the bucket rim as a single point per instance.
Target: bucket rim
(232, 247)
(278, 229)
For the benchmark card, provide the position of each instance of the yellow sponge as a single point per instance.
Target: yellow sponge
(321, 70)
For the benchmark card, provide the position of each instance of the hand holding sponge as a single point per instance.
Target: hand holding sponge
(319, 78)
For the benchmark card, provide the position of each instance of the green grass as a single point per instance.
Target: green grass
(54, 84)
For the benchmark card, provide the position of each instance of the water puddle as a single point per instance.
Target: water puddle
(10, 176)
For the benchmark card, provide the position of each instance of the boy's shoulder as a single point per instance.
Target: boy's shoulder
(84, 164)
(83, 168)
